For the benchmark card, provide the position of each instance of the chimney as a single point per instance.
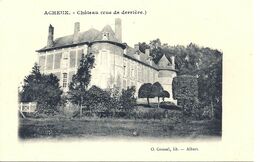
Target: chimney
(76, 32)
(173, 62)
(50, 36)
(118, 29)
(136, 46)
(147, 52)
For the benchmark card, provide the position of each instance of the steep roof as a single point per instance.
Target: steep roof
(93, 35)
(163, 61)
(86, 36)
(144, 59)
(107, 29)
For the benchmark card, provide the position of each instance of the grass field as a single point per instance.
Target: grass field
(88, 128)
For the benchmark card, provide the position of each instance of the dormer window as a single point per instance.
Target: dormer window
(105, 36)
(151, 62)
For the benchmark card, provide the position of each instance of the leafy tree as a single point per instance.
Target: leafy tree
(202, 62)
(143, 46)
(210, 88)
(185, 87)
(98, 99)
(165, 94)
(127, 99)
(157, 91)
(80, 81)
(43, 89)
(145, 92)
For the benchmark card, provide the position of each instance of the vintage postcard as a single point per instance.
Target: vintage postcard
(114, 80)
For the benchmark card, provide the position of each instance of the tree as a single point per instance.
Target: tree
(157, 91)
(165, 94)
(98, 99)
(202, 62)
(185, 90)
(143, 46)
(80, 81)
(145, 92)
(127, 99)
(210, 88)
(43, 89)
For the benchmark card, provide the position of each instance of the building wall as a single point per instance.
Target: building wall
(165, 78)
(63, 63)
(111, 67)
(108, 65)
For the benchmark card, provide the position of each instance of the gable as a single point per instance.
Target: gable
(163, 62)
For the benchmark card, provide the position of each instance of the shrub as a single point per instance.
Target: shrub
(165, 94)
(43, 89)
(169, 105)
(127, 99)
(185, 87)
(145, 92)
(206, 112)
(155, 113)
(97, 97)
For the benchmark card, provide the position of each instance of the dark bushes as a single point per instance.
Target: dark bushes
(43, 89)
(169, 105)
(109, 103)
(155, 113)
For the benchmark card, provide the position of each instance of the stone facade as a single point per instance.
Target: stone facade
(116, 63)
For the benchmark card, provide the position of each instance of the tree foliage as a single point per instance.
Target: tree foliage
(43, 89)
(185, 87)
(127, 99)
(78, 87)
(202, 62)
(97, 96)
(145, 91)
(165, 94)
(157, 91)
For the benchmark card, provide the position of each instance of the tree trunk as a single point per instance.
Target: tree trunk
(148, 101)
(158, 101)
(212, 110)
(80, 111)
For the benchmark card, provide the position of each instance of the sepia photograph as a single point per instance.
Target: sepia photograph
(137, 80)
(92, 83)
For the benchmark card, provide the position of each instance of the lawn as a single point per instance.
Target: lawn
(89, 128)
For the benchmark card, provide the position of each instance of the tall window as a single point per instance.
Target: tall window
(65, 80)
(65, 60)
(124, 84)
(124, 68)
(132, 72)
(139, 73)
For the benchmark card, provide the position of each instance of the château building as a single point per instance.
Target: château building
(116, 63)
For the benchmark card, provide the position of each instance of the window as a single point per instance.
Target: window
(64, 81)
(132, 72)
(124, 84)
(124, 71)
(124, 68)
(139, 73)
(65, 56)
(105, 36)
(65, 60)
(72, 59)
(42, 62)
(49, 65)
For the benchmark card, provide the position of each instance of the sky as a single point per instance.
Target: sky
(216, 24)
